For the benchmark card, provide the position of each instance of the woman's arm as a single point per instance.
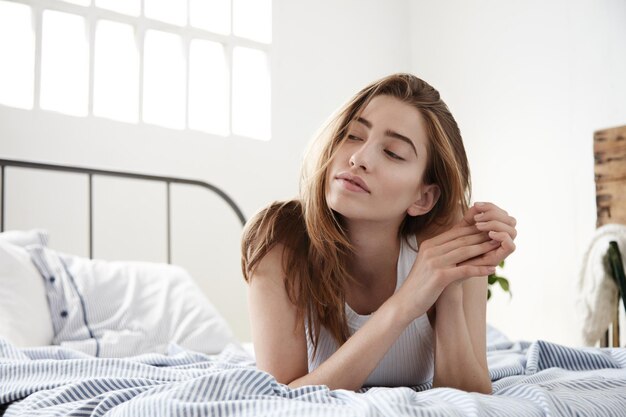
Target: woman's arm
(460, 337)
(280, 343)
(279, 339)
(460, 324)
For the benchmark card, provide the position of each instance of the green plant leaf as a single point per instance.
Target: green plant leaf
(504, 283)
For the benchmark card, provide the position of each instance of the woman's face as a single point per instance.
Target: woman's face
(376, 173)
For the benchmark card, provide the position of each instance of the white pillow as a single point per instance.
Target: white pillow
(24, 238)
(24, 314)
(122, 308)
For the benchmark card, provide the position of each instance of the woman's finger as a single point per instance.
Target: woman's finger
(505, 241)
(449, 235)
(499, 215)
(495, 256)
(470, 214)
(484, 212)
(486, 207)
(497, 226)
(464, 253)
(461, 241)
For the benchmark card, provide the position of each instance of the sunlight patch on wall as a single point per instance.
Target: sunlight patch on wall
(123, 60)
(174, 12)
(251, 93)
(17, 46)
(64, 64)
(211, 15)
(79, 2)
(252, 19)
(129, 7)
(164, 78)
(116, 72)
(209, 95)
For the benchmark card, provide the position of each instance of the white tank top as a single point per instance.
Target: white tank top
(410, 360)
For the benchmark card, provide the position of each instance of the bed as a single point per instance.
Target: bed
(140, 338)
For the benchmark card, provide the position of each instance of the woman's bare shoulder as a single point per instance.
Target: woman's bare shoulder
(270, 266)
(267, 235)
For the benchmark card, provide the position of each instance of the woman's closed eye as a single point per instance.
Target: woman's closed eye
(391, 154)
(394, 155)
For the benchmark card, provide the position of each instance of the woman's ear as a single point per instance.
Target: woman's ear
(427, 199)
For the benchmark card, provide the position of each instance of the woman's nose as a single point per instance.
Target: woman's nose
(361, 158)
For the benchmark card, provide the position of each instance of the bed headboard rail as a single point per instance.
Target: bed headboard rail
(91, 172)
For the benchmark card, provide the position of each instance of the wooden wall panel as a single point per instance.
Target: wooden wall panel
(609, 150)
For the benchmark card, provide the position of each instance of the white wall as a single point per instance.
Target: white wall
(529, 83)
(322, 52)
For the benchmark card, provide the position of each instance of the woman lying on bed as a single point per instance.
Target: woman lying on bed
(339, 293)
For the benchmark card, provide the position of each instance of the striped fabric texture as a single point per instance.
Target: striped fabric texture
(530, 379)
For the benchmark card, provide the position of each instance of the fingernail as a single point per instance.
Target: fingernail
(492, 269)
(478, 216)
(479, 204)
(494, 242)
(481, 224)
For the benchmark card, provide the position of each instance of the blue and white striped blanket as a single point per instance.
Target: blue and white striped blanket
(530, 379)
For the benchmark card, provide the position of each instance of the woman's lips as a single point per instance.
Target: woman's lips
(352, 182)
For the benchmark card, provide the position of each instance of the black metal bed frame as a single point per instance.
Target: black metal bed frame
(90, 172)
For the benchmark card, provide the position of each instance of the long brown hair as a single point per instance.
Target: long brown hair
(316, 247)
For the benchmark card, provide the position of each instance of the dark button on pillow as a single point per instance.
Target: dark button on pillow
(64, 313)
(52, 279)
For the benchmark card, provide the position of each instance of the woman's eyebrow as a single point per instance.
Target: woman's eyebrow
(389, 133)
(367, 123)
